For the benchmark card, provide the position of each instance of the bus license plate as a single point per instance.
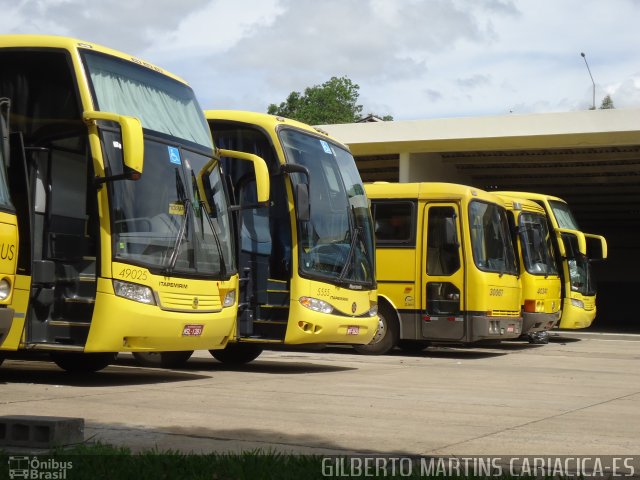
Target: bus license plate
(192, 330)
(353, 330)
(510, 328)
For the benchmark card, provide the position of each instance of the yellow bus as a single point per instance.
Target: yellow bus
(307, 261)
(8, 229)
(541, 301)
(575, 250)
(113, 257)
(446, 265)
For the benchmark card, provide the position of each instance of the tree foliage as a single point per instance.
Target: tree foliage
(607, 103)
(335, 101)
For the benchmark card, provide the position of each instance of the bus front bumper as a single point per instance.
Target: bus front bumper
(122, 325)
(306, 326)
(6, 320)
(494, 328)
(538, 322)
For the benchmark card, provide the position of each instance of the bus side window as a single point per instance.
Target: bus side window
(393, 222)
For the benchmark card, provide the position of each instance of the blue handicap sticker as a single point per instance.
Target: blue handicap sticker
(326, 147)
(174, 155)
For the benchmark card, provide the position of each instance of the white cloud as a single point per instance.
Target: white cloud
(411, 58)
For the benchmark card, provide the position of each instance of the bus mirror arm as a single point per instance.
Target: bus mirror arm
(130, 175)
(303, 207)
(132, 143)
(295, 168)
(263, 183)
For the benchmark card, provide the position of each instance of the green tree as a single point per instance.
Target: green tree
(335, 101)
(607, 103)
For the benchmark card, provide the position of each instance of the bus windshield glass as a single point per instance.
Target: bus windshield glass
(168, 220)
(337, 241)
(490, 238)
(161, 103)
(563, 215)
(537, 250)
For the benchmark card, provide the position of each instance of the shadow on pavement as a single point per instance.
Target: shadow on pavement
(47, 373)
(293, 367)
(211, 440)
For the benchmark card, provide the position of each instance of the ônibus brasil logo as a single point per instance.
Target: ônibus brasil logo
(36, 469)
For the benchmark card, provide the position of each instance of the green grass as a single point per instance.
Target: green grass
(100, 461)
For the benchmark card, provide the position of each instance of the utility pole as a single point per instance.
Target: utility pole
(594, 83)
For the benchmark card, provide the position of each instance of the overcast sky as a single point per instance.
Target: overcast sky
(413, 59)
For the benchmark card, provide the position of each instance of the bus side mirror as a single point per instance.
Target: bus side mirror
(263, 183)
(574, 242)
(303, 212)
(596, 247)
(132, 141)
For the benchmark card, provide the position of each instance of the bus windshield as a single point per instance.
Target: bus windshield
(160, 221)
(537, 250)
(563, 215)
(5, 198)
(490, 238)
(337, 241)
(161, 103)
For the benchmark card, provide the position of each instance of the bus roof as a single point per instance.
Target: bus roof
(522, 204)
(530, 196)
(73, 45)
(428, 190)
(266, 121)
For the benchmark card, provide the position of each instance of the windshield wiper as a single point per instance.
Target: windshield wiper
(352, 248)
(216, 237)
(186, 207)
(355, 239)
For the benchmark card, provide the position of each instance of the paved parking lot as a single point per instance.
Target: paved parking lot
(579, 395)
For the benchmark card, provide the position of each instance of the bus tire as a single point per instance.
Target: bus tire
(237, 353)
(386, 336)
(1, 358)
(413, 346)
(162, 359)
(75, 362)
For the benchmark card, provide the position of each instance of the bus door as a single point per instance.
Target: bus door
(443, 273)
(61, 203)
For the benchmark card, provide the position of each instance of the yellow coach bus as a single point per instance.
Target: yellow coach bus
(540, 301)
(113, 257)
(8, 229)
(307, 261)
(446, 266)
(575, 250)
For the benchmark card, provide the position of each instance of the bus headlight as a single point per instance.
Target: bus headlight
(135, 292)
(577, 303)
(373, 311)
(229, 298)
(316, 305)
(5, 288)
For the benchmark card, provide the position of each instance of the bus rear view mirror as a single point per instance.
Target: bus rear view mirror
(596, 246)
(132, 142)
(303, 212)
(263, 184)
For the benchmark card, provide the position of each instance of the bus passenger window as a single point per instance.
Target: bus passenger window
(393, 222)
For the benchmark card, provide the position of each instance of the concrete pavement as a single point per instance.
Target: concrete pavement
(579, 395)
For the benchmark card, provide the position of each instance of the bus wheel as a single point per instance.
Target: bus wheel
(386, 336)
(413, 346)
(237, 353)
(162, 359)
(539, 338)
(82, 362)
(1, 358)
